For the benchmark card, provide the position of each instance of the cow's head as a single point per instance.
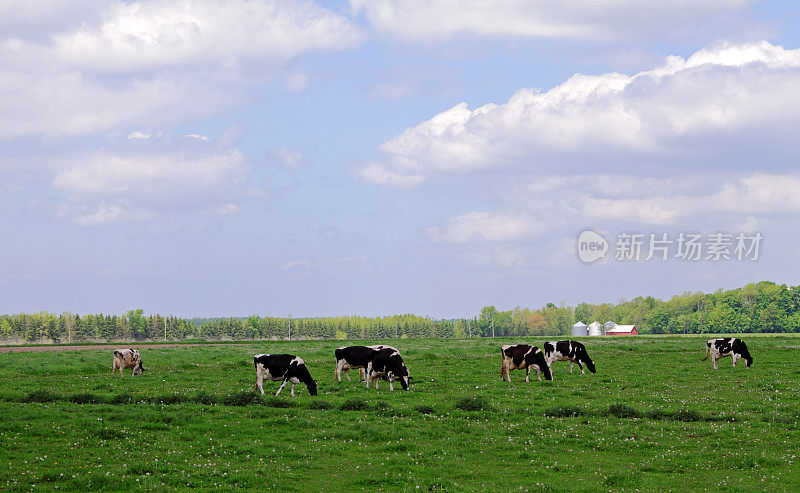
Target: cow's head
(139, 369)
(540, 361)
(402, 374)
(588, 362)
(312, 387)
(747, 359)
(546, 371)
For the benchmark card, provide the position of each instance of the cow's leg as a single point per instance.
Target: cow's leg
(361, 376)
(347, 374)
(260, 382)
(293, 390)
(571, 366)
(528, 374)
(581, 367)
(337, 373)
(538, 373)
(390, 376)
(714, 361)
(133, 371)
(281, 387)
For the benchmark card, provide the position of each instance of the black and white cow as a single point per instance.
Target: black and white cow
(352, 357)
(727, 346)
(524, 356)
(287, 367)
(571, 351)
(127, 358)
(387, 363)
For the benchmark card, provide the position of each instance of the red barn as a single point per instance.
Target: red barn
(623, 330)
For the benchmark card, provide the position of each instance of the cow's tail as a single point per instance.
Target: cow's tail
(503, 370)
(708, 352)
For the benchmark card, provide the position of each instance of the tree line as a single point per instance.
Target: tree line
(759, 307)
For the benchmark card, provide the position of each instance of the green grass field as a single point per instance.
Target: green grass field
(654, 417)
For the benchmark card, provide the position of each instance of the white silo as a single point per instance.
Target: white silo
(579, 329)
(595, 329)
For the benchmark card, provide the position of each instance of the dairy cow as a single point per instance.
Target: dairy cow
(571, 351)
(523, 356)
(127, 358)
(387, 363)
(355, 357)
(727, 346)
(287, 367)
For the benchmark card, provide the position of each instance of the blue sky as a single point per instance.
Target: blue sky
(374, 157)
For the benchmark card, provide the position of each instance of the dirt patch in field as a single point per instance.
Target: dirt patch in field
(90, 347)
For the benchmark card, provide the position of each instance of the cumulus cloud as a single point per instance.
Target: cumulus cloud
(152, 60)
(584, 19)
(719, 94)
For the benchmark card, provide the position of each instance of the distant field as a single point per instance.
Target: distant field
(654, 417)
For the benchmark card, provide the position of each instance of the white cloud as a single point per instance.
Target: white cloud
(585, 19)
(115, 174)
(289, 159)
(228, 209)
(136, 135)
(643, 200)
(100, 214)
(295, 264)
(382, 176)
(497, 255)
(296, 82)
(722, 93)
(197, 137)
(153, 176)
(152, 62)
(499, 227)
(161, 33)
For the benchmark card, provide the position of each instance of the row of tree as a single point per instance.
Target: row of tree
(762, 307)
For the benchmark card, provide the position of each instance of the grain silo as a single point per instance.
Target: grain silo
(595, 329)
(579, 329)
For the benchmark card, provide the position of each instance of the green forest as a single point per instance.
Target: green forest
(758, 307)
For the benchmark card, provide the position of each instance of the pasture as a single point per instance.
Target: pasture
(654, 417)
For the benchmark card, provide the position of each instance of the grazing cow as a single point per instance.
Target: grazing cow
(287, 367)
(523, 356)
(727, 346)
(571, 351)
(127, 358)
(387, 363)
(352, 357)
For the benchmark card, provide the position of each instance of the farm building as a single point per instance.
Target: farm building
(623, 330)
(595, 329)
(579, 329)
